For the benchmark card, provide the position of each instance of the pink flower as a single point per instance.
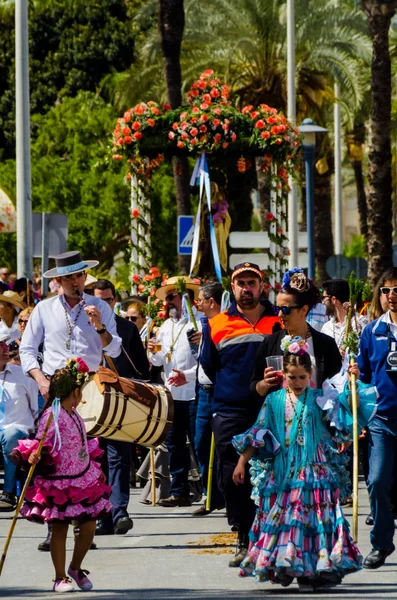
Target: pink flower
(81, 366)
(293, 348)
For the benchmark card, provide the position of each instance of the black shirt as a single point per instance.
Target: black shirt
(133, 346)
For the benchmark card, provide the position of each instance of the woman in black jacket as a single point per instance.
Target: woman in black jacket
(296, 298)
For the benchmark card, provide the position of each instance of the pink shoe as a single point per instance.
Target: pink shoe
(63, 585)
(80, 577)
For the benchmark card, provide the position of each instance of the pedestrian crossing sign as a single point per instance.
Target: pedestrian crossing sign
(185, 234)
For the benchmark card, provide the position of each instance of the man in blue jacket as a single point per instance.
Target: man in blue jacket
(377, 362)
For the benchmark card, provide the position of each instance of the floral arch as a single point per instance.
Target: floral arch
(208, 124)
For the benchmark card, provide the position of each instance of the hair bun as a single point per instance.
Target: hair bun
(299, 282)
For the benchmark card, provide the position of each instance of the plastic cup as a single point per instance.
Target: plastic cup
(157, 344)
(276, 363)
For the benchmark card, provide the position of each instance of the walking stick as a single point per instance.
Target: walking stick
(355, 453)
(22, 496)
(210, 473)
(153, 476)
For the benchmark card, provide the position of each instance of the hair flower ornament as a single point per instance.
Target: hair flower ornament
(294, 345)
(289, 274)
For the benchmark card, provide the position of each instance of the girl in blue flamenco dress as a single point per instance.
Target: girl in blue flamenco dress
(299, 530)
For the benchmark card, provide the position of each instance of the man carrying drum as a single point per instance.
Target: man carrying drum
(71, 324)
(133, 364)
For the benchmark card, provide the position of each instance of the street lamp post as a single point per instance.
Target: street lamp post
(309, 130)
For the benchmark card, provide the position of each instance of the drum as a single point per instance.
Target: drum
(126, 410)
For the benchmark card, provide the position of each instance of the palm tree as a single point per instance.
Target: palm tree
(171, 26)
(379, 15)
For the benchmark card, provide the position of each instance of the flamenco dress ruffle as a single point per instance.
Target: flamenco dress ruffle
(299, 528)
(70, 498)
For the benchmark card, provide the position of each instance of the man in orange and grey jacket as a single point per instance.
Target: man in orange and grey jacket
(230, 343)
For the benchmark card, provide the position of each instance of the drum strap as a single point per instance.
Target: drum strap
(112, 366)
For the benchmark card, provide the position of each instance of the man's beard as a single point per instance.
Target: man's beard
(329, 309)
(173, 312)
(247, 301)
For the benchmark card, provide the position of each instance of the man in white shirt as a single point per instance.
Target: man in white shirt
(18, 411)
(10, 305)
(335, 295)
(71, 324)
(175, 353)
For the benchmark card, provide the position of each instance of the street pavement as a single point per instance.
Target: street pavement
(170, 555)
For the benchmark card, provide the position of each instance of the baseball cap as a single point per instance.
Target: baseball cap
(247, 266)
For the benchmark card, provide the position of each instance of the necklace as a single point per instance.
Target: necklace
(70, 324)
(83, 451)
(300, 438)
(174, 341)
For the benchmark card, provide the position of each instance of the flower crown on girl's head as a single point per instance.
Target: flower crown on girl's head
(74, 374)
(78, 369)
(294, 345)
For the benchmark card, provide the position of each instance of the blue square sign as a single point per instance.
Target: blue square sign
(185, 234)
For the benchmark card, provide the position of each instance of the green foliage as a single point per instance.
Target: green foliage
(73, 173)
(72, 45)
(357, 247)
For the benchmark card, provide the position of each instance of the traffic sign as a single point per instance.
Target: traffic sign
(185, 234)
(338, 266)
(57, 232)
(262, 260)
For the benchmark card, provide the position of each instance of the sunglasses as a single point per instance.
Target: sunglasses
(20, 321)
(133, 319)
(286, 310)
(170, 297)
(108, 300)
(387, 290)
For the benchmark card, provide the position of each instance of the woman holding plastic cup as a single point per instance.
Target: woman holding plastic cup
(297, 296)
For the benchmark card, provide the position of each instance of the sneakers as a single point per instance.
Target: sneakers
(80, 577)
(7, 501)
(202, 511)
(175, 501)
(241, 550)
(63, 585)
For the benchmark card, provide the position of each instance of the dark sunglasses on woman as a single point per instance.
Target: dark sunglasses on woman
(286, 310)
(133, 319)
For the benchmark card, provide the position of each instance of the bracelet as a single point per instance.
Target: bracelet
(101, 331)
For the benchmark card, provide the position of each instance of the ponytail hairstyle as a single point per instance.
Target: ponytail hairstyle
(303, 290)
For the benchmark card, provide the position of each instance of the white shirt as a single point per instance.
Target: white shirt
(338, 330)
(173, 332)
(48, 324)
(20, 398)
(13, 332)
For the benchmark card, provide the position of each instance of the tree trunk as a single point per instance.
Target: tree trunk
(361, 198)
(171, 25)
(324, 241)
(379, 176)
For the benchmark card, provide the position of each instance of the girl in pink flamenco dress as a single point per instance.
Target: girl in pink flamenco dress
(69, 484)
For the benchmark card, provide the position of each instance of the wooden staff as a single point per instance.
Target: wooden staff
(153, 476)
(22, 496)
(355, 452)
(210, 473)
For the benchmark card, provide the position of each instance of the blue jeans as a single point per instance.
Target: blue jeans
(382, 451)
(181, 428)
(8, 440)
(202, 443)
(118, 462)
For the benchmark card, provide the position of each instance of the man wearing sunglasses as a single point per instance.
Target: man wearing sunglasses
(377, 362)
(230, 343)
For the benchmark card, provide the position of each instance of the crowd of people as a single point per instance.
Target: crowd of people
(268, 385)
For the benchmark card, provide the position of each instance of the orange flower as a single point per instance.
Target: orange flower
(138, 135)
(136, 125)
(126, 131)
(135, 278)
(151, 122)
(260, 124)
(265, 135)
(117, 157)
(135, 213)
